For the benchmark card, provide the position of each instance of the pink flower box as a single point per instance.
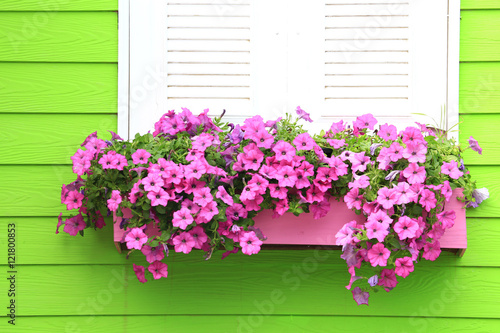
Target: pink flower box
(305, 230)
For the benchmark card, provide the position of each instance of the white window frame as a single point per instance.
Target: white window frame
(141, 91)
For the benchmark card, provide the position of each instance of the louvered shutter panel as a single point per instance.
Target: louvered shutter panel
(337, 59)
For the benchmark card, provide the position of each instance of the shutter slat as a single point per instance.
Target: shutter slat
(367, 10)
(367, 22)
(367, 91)
(370, 68)
(366, 80)
(366, 57)
(208, 56)
(363, 33)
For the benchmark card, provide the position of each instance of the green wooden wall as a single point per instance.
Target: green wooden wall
(58, 83)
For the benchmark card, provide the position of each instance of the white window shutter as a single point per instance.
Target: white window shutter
(337, 59)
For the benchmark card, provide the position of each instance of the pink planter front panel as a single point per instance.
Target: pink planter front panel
(305, 230)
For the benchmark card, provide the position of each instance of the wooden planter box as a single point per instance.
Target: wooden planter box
(304, 230)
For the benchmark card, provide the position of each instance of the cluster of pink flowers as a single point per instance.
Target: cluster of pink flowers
(199, 184)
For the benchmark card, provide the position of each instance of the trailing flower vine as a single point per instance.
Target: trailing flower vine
(198, 183)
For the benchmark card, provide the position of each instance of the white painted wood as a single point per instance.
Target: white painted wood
(429, 59)
(147, 71)
(123, 68)
(336, 60)
(452, 104)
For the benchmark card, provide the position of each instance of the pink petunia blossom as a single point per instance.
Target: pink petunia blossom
(284, 151)
(235, 212)
(182, 218)
(263, 139)
(184, 242)
(395, 152)
(359, 162)
(376, 230)
(406, 227)
(353, 199)
(74, 225)
(281, 207)
(199, 236)
(303, 115)
(360, 182)
(202, 141)
(207, 213)
(158, 269)
(474, 145)
(360, 296)
(108, 161)
(404, 266)
(388, 279)
(73, 200)
(136, 238)
(320, 210)
(114, 201)
(224, 196)
(159, 198)
(365, 121)
(432, 251)
(120, 162)
(153, 182)
(447, 218)
(336, 143)
(286, 176)
(414, 173)
(250, 243)
(386, 197)
(412, 134)
(195, 169)
(404, 193)
(378, 255)
(140, 273)
(304, 141)
(451, 169)
(428, 199)
(153, 253)
(202, 196)
(337, 127)
(388, 132)
(380, 216)
(141, 156)
(415, 152)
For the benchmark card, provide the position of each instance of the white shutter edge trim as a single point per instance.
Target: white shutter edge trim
(452, 103)
(123, 68)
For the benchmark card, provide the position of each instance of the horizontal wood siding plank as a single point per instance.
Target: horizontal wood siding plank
(97, 247)
(58, 5)
(480, 35)
(34, 190)
(258, 322)
(484, 128)
(302, 288)
(480, 87)
(49, 139)
(480, 4)
(59, 36)
(58, 88)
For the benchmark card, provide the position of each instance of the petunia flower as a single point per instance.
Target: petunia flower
(388, 279)
(182, 218)
(414, 173)
(140, 273)
(158, 269)
(224, 196)
(365, 121)
(304, 141)
(250, 243)
(406, 227)
(114, 201)
(447, 218)
(184, 242)
(73, 200)
(360, 296)
(153, 253)
(140, 156)
(74, 225)
(474, 145)
(378, 255)
(303, 115)
(432, 251)
(199, 236)
(376, 230)
(388, 132)
(404, 266)
(284, 151)
(159, 198)
(386, 197)
(136, 238)
(451, 169)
